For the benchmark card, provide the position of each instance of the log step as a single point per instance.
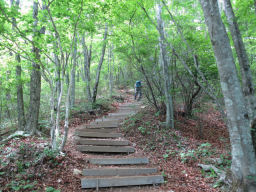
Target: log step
(104, 142)
(98, 130)
(118, 171)
(124, 114)
(102, 124)
(129, 105)
(119, 161)
(105, 149)
(104, 119)
(100, 135)
(121, 181)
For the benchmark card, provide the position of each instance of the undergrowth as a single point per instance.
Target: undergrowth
(24, 164)
(147, 129)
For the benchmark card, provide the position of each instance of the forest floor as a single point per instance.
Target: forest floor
(27, 163)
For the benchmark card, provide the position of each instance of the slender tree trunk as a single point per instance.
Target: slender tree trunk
(87, 70)
(110, 78)
(73, 75)
(35, 81)
(20, 101)
(8, 97)
(243, 157)
(78, 76)
(67, 79)
(167, 78)
(95, 89)
(247, 83)
(67, 106)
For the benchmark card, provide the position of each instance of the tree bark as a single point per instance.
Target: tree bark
(35, 81)
(110, 76)
(167, 78)
(66, 125)
(247, 83)
(87, 70)
(95, 89)
(19, 86)
(20, 101)
(243, 156)
(73, 75)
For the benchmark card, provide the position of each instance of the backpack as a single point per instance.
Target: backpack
(138, 84)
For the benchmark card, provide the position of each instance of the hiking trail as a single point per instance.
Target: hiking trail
(115, 162)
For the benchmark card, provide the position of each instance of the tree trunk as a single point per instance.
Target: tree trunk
(87, 70)
(243, 157)
(167, 78)
(8, 97)
(58, 77)
(110, 77)
(20, 101)
(78, 76)
(67, 79)
(73, 75)
(66, 125)
(35, 81)
(95, 89)
(247, 83)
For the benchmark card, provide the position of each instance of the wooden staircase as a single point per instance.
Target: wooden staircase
(102, 137)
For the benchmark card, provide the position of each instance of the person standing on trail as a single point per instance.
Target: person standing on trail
(137, 87)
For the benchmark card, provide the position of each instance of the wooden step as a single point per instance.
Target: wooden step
(102, 124)
(98, 130)
(104, 142)
(105, 119)
(121, 181)
(107, 149)
(119, 161)
(129, 104)
(118, 171)
(100, 135)
(126, 111)
(121, 114)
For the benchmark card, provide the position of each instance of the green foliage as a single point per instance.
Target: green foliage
(51, 189)
(189, 155)
(165, 156)
(204, 150)
(142, 130)
(210, 174)
(226, 160)
(22, 185)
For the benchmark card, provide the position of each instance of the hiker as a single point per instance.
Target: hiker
(137, 87)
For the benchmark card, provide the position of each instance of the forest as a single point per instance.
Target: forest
(64, 64)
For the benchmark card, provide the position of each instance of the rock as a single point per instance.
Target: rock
(77, 172)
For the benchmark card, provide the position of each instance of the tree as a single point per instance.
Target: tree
(243, 156)
(95, 89)
(35, 78)
(20, 101)
(166, 74)
(247, 83)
